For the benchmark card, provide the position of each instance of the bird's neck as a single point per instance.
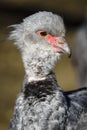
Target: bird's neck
(38, 63)
(37, 88)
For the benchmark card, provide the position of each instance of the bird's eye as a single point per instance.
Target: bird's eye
(43, 33)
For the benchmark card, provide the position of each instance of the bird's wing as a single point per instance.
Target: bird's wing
(79, 96)
(79, 99)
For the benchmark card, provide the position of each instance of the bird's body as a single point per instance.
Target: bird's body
(42, 104)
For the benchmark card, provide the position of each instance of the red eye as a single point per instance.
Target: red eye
(42, 33)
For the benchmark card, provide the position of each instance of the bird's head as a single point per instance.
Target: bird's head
(41, 36)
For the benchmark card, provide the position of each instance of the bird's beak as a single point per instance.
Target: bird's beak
(59, 44)
(62, 46)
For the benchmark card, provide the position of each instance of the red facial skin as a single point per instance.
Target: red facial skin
(56, 42)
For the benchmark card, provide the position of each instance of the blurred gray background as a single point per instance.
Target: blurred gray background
(11, 67)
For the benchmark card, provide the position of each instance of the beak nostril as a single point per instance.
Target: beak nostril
(61, 42)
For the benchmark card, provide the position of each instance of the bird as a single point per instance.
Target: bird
(42, 104)
(79, 49)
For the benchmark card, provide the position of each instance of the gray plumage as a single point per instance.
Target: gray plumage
(42, 104)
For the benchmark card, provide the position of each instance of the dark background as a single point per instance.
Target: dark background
(11, 67)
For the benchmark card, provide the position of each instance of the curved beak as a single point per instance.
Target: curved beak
(59, 43)
(62, 46)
